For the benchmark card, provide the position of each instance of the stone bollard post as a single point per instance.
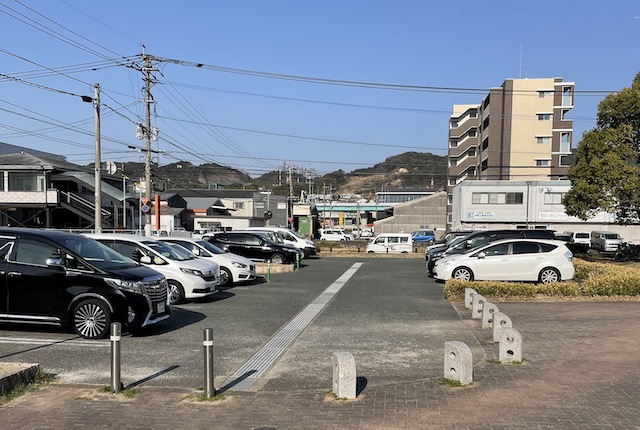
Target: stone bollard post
(500, 321)
(488, 312)
(510, 346)
(468, 293)
(344, 375)
(477, 303)
(458, 362)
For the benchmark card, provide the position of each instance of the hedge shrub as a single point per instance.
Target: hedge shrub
(590, 280)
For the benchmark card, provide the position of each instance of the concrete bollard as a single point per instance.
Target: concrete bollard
(510, 349)
(477, 303)
(488, 312)
(344, 375)
(500, 321)
(458, 362)
(468, 293)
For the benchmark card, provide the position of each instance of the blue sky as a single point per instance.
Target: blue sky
(259, 123)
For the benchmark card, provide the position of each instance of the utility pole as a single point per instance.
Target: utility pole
(98, 162)
(147, 132)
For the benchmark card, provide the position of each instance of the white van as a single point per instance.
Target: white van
(387, 243)
(605, 241)
(291, 237)
(188, 277)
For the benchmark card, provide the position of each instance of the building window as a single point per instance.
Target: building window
(453, 162)
(565, 160)
(26, 181)
(567, 96)
(543, 139)
(453, 143)
(454, 124)
(473, 113)
(452, 181)
(565, 141)
(472, 133)
(471, 152)
(485, 144)
(1, 181)
(259, 205)
(496, 198)
(544, 116)
(553, 198)
(542, 163)
(484, 165)
(449, 199)
(545, 93)
(238, 205)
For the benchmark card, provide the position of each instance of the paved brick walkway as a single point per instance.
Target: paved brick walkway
(581, 371)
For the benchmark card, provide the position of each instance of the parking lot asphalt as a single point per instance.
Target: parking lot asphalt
(580, 368)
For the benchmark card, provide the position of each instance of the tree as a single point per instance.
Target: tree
(622, 108)
(605, 176)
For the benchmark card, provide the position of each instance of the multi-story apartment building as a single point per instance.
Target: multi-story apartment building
(520, 131)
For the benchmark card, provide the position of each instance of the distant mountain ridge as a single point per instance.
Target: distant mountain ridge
(409, 170)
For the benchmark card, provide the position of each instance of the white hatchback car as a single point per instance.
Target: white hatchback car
(234, 268)
(188, 277)
(534, 260)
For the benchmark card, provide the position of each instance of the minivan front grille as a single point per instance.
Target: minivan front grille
(156, 289)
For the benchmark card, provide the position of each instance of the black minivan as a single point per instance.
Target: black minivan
(68, 280)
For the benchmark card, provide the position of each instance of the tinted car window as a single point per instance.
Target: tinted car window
(33, 252)
(525, 248)
(547, 247)
(500, 249)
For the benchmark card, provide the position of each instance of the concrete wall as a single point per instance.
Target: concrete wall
(425, 213)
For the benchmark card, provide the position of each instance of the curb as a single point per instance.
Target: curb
(15, 374)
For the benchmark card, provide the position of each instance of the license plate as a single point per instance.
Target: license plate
(161, 307)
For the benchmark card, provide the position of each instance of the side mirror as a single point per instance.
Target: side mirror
(145, 259)
(482, 255)
(54, 262)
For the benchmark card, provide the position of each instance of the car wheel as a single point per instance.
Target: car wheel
(226, 277)
(92, 319)
(176, 293)
(277, 258)
(549, 275)
(463, 274)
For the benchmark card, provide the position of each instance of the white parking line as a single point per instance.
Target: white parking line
(54, 342)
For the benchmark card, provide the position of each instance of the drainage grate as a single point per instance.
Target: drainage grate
(256, 366)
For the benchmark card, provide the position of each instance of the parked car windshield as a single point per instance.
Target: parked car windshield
(96, 253)
(169, 251)
(211, 247)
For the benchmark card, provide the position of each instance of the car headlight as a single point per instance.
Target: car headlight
(192, 272)
(239, 265)
(121, 284)
(438, 254)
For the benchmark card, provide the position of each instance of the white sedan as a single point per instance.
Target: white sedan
(534, 260)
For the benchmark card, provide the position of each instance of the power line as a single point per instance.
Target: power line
(340, 82)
